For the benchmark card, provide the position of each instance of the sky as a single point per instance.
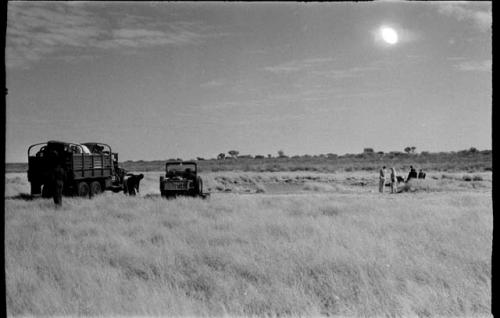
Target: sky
(158, 80)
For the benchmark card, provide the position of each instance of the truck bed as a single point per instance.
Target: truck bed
(91, 165)
(82, 166)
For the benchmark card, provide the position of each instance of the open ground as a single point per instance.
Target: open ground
(288, 243)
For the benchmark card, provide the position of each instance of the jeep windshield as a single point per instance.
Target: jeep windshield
(180, 168)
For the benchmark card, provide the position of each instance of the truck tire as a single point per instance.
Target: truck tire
(35, 188)
(95, 188)
(46, 191)
(83, 189)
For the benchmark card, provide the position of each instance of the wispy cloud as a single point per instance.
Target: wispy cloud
(38, 31)
(322, 67)
(346, 73)
(298, 65)
(474, 66)
(463, 11)
(213, 83)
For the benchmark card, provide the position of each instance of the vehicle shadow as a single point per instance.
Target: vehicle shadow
(23, 197)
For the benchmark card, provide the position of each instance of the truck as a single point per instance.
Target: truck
(91, 168)
(181, 178)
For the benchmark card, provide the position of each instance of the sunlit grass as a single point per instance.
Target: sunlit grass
(314, 253)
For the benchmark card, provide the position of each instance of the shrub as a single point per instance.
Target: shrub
(467, 178)
(260, 188)
(477, 178)
(415, 185)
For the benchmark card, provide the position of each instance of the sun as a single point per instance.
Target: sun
(389, 35)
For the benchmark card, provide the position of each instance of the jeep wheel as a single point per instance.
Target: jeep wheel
(83, 189)
(95, 188)
(199, 186)
(162, 185)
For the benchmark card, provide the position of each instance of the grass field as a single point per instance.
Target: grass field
(274, 244)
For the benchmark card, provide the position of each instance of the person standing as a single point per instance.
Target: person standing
(412, 174)
(394, 181)
(59, 177)
(421, 174)
(381, 182)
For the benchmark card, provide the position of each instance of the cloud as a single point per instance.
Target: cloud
(346, 73)
(39, 31)
(474, 66)
(212, 83)
(298, 65)
(463, 11)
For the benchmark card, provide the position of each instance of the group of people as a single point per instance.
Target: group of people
(395, 179)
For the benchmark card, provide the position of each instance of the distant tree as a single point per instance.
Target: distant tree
(410, 149)
(331, 155)
(473, 150)
(424, 153)
(200, 158)
(281, 153)
(269, 156)
(233, 153)
(259, 157)
(368, 150)
(221, 156)
(380, 152)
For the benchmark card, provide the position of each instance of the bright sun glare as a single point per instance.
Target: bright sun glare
(389, 35)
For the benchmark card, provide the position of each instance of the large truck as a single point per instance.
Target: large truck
(90, 168)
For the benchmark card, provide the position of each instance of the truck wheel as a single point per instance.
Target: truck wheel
(46, 191)
(95, 188)
(199, 186)
(83, 189)
(35, 188)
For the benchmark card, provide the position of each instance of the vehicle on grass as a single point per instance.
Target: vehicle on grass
(90, 168)
(181, 178)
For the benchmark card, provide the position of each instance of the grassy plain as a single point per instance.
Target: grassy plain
(284, 243)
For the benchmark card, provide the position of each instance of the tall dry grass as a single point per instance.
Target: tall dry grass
(355, 254)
